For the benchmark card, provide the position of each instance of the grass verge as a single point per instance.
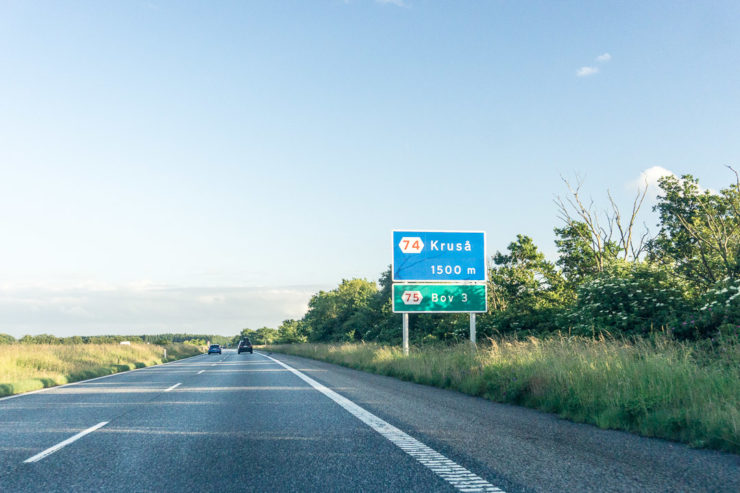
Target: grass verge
(27, 367)
(657, 388)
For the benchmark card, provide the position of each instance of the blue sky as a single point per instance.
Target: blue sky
(210, 165)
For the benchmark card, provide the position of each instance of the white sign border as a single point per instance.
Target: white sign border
(477, 283)
(438, 281)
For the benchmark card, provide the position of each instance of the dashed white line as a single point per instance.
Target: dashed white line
(453, 473)
(173, 387)
(66, 442)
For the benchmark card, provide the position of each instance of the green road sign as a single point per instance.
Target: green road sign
(439, 298)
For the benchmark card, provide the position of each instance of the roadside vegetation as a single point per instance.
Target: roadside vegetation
(657, 386)
(25, 367)
(629, 328)
(610, 279)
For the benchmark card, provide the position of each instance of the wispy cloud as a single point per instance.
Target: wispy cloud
(587, 71)
(397, 3)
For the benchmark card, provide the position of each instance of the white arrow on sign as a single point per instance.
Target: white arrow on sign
(411, 244)
(412, 297)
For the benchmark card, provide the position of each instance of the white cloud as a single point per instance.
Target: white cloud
(141, 308)
(592, 70)
(651, 177)
(586, 71)
(397, 3)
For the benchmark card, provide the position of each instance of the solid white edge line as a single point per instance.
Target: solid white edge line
(173, 387)
(14, 396)
(456, 475)
(63, 444)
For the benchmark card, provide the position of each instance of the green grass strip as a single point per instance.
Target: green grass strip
(656, 388)
(28, 367)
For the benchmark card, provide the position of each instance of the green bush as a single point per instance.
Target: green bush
(718, 313)
(628, 299)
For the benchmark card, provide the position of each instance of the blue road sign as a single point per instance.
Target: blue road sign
(439, 256)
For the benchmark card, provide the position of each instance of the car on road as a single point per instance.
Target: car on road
(215, 348)
(245, 345)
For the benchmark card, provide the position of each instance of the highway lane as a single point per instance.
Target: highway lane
(521, 449)
(235, 423)
(246, 423)
(31, 422)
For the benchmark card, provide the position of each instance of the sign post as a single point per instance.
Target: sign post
(405, 334)
(439, 272)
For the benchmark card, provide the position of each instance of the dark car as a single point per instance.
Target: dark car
(245, 346)
(215, 348)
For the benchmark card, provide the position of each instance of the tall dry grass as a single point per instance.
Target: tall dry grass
(658, 387)
(27, 367)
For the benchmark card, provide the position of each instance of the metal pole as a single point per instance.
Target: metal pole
(472, 328)
(405, 334)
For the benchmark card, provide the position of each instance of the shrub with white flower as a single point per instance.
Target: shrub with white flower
(628, 299)
(719, 310)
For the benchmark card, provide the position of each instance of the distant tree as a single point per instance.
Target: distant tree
(6, 339)
(45, 339)
(384, 325)
(195, 342)
(342, 314)
(699, 237)
(290, 331)
(264, 335)
(179, 337)
(525, 288)
(577, 258)
(600, 238)
(245, 333)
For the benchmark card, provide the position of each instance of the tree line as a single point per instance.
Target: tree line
(609, 278)
(195, 339)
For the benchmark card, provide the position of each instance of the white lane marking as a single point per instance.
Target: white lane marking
(200, 372)
(453, 473)
(14, 396)
(173, 387)
(66, 442)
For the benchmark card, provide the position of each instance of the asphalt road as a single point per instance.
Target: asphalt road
(249, 423)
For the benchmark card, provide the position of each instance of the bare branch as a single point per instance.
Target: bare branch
(636, 252)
